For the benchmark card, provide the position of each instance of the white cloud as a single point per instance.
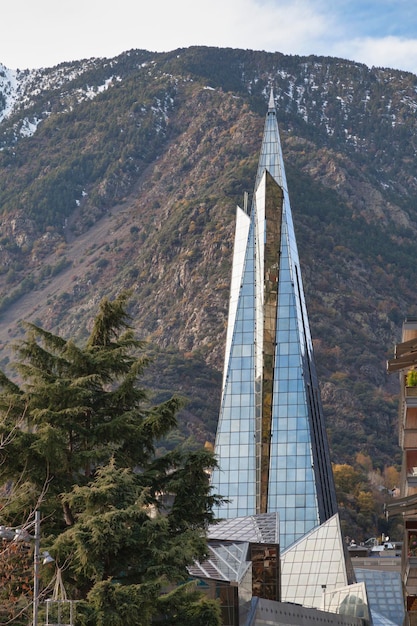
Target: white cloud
(394, 52)
(359, 30)
(289, 27)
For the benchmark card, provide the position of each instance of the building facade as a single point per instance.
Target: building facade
(271, 441)
(278, 556)
(405, 363)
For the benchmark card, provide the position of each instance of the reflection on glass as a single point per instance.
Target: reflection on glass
(265, 571)
(270, 391)
(350, 601)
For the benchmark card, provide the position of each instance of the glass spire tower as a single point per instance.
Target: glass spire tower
(271, 442)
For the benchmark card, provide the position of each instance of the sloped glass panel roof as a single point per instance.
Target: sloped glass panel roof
(313, 564)
(262, 528)
(351, 600)
(384, 593)
(226, 561)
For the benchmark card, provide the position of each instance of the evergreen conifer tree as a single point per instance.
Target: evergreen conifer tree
(81, 438)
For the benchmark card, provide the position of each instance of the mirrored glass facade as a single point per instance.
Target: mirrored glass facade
(242, 562)
(314, 565)
(265, 571)
(235, 441)
(271, 442)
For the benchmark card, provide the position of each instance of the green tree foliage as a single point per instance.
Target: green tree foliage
(123, 558)
(82, 405)
(124, 522)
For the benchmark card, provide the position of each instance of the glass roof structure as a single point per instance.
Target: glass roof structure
(226, 561)
(351, 600)
(315, 564)
(228, 543)
(385, 593)
(271, 442)
(255, 529)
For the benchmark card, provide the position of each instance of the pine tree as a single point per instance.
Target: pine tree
(82, 434)
(129, 562)
(82, 405)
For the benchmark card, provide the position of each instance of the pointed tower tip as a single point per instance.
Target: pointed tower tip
(271, 105)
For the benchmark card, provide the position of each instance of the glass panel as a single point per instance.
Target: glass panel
(319, 557)
(270, 392)
(265, 571)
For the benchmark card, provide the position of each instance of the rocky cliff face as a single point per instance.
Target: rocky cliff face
(130, 180)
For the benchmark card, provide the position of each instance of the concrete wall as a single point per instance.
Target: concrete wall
(270, 613)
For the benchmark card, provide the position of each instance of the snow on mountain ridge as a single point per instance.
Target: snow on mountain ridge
(54, 78)
(20, 90)
(8, 88)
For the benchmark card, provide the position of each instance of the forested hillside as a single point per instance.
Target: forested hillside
(125, 172)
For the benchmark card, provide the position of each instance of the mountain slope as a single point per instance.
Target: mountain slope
(129, 179)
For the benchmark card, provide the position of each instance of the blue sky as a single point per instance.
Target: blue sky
(47, 32)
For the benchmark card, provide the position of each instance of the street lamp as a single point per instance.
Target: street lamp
(36, 560)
